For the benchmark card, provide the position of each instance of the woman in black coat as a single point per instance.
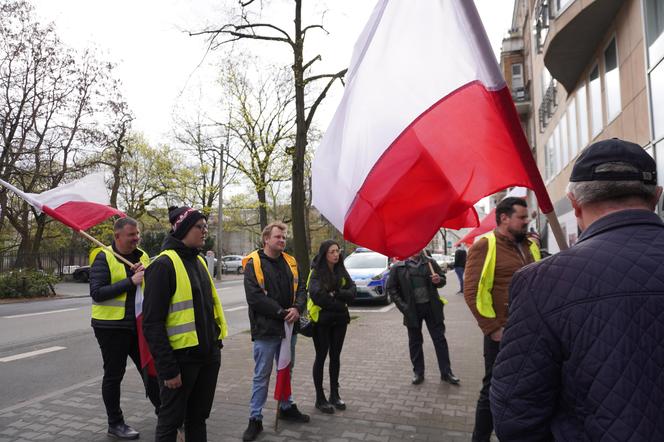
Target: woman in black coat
(330, 290)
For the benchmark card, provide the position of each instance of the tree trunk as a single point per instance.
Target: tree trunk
(262, 208)
(297, 196)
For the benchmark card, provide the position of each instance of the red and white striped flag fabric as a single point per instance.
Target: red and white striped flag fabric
(487, 224)
(80, 204)
(282, 388)
(425, 129)
(147, 362)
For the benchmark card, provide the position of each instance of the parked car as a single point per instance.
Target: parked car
(446, 262)
(369, 271)
(232, 264)
(82, 274)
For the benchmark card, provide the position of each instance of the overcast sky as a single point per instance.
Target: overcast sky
(162, 69)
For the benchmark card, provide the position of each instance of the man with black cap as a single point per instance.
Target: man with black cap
(184, 324)
(582, 353)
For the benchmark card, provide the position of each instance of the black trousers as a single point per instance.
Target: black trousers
(116, 344)
(437, 333)
(328, 339)
(190, 404)
(483, 418)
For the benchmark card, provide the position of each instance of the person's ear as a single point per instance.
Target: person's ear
(656, 198)
(575, 205)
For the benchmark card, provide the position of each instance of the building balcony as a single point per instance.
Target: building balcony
(521, 98)
(573, 37)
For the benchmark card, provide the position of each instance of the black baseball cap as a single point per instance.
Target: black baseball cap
(613, 151)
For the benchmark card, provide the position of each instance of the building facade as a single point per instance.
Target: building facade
(592, 69)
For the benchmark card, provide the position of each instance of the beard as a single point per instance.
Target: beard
(519, 235)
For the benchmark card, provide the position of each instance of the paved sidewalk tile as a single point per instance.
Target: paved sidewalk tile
(375, 384)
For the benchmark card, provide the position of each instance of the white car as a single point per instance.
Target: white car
(231, 264)
(369, 271)
(445, 262)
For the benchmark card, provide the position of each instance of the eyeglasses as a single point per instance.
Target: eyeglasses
(201, 227)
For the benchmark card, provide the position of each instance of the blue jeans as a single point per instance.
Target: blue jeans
(266, 351)
(459, 273)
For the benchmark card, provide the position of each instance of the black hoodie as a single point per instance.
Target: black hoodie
(159, 289)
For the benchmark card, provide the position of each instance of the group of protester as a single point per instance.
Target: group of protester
(573, 345)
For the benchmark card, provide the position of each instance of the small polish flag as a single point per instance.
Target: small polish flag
(282, 388)
(425, 129)
(80, 204)
(147, 362)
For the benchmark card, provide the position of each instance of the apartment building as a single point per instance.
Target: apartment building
(583, 71)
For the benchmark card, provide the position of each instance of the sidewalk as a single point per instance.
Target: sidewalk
(375, 384)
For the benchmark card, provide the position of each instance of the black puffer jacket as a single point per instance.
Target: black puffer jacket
(267, 310)
(582, 355)
(333, 301)
(159, 289)
(401, 292)
(102, 290)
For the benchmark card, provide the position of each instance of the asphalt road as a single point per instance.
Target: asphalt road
(49, 345)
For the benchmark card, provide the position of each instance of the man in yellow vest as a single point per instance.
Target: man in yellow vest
(490, 266)
(113, 289)
(275, 294)
(184, 325)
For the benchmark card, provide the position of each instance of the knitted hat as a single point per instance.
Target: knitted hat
(182, 219)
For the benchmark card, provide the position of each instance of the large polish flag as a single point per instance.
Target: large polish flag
(425, 129)
(80, 204)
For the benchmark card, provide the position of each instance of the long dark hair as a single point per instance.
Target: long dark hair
(330, 280)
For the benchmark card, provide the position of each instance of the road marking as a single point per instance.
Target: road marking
(385, 309)
(234, 309)
(31, 354)
(40, 313)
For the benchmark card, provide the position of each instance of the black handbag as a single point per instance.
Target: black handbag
(306, 326)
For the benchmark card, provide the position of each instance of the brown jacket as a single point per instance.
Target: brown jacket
(508, 261)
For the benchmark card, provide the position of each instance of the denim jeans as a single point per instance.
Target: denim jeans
(459, 272)
(266, 351)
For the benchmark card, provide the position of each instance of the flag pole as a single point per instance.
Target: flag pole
(276, 417)
(557, 230)
(109, 248)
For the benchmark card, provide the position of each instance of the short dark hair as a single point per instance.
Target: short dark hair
(121, 222)
(506, 207)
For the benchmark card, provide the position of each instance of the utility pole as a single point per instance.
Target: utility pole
(220, 214)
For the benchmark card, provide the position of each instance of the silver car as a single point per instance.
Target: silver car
(232, 264)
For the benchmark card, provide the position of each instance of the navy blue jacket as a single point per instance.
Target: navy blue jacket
(582, 356)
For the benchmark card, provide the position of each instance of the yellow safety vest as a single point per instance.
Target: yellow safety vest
(181, 321)
(113, 309)
(484, 298)
(314, 309)
(258, 270)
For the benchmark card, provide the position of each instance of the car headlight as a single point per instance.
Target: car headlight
(378, 277)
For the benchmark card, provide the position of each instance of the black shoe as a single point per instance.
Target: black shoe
(253, 430)
(450, 378)
(325, 406)
(293, 414)
(122, 431)
(337, 403)
(417, 379)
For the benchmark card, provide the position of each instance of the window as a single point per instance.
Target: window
(556, 149)
(595, 91)
(611, 81)
(546, 81)
(655, 29)
(583, 115)
(564, 140)
(561, 5)
(517, 76)
(572, 124)
(549, 159)
(657, 94)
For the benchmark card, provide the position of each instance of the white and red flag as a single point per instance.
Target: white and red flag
(80, 204)
(425, 129)
(282, 388)
(147, 361)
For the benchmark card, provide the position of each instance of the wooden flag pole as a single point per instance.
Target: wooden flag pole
(557, 230)
(109, 248)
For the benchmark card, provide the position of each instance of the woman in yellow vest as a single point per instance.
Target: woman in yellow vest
(330, 291)
(184, 324)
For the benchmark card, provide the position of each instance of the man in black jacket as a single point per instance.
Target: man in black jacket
(275, 294)
(413, 285)
(113, 289)
(183, 324)
(460, 265)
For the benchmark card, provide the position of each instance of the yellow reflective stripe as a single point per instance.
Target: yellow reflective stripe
(535, 251)
(179, 329)
(182, 305)
(484, 299)
(115, 302)
(443, 299)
